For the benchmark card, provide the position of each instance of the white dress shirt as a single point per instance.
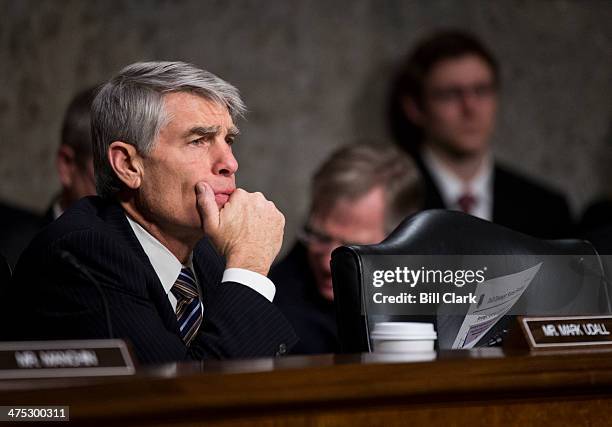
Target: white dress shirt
(167, 267)
(56, 208)
(451, 187)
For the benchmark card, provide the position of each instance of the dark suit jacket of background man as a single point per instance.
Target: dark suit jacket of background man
(312, 316)
(518, 203)
(50, 299)
(17, 228)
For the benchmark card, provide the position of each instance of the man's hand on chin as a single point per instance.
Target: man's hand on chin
(247, 231)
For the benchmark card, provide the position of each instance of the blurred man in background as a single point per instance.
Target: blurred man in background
(359, 195)
(74, 163)
(443, 111)
(74, 159)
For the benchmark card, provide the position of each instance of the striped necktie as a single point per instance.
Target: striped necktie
(188, 304)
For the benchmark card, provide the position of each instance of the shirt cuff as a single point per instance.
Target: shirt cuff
(255, 281)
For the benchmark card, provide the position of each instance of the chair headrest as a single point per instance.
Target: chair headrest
(445, 232)
(450, 233)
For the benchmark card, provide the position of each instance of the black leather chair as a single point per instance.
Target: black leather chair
(570, 284)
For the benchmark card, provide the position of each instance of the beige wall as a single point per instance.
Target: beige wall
(313, 74)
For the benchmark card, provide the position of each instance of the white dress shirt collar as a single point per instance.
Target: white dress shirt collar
(56, 209)
(166, 265)
(451, 187)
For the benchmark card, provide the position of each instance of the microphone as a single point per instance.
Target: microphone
(497, 339)
(73, 261)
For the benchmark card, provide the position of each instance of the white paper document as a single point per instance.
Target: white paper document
(495, 298)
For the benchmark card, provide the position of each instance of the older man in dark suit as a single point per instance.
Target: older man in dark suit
(171, 256)
(359, 195)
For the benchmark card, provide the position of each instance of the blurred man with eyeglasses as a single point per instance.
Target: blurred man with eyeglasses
(443, 110)
(359, 195)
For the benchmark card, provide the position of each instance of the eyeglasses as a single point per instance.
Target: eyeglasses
(458, 93)
(320, 239)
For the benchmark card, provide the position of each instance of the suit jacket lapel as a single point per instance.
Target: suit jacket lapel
(115, 217)
(433, 198)
(208, 266)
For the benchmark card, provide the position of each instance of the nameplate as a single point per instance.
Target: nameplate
(47, 359)
(567, 332)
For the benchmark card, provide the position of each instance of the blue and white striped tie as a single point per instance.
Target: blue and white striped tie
(188, 304)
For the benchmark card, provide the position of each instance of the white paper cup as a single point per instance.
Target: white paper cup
(403, 337)
(412, 356)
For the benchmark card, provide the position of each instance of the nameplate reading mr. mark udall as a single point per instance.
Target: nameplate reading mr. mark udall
(567, 331)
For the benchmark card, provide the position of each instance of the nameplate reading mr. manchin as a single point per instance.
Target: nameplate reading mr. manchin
(47, 359)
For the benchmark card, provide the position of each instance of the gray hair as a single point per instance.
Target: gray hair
(355, 169)
(130, 108)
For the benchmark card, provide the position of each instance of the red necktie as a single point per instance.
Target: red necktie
(466, 203)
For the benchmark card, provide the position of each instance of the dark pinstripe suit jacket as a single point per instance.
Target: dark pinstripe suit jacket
(50, 299)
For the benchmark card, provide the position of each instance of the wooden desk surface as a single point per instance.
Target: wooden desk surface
(479, 387)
